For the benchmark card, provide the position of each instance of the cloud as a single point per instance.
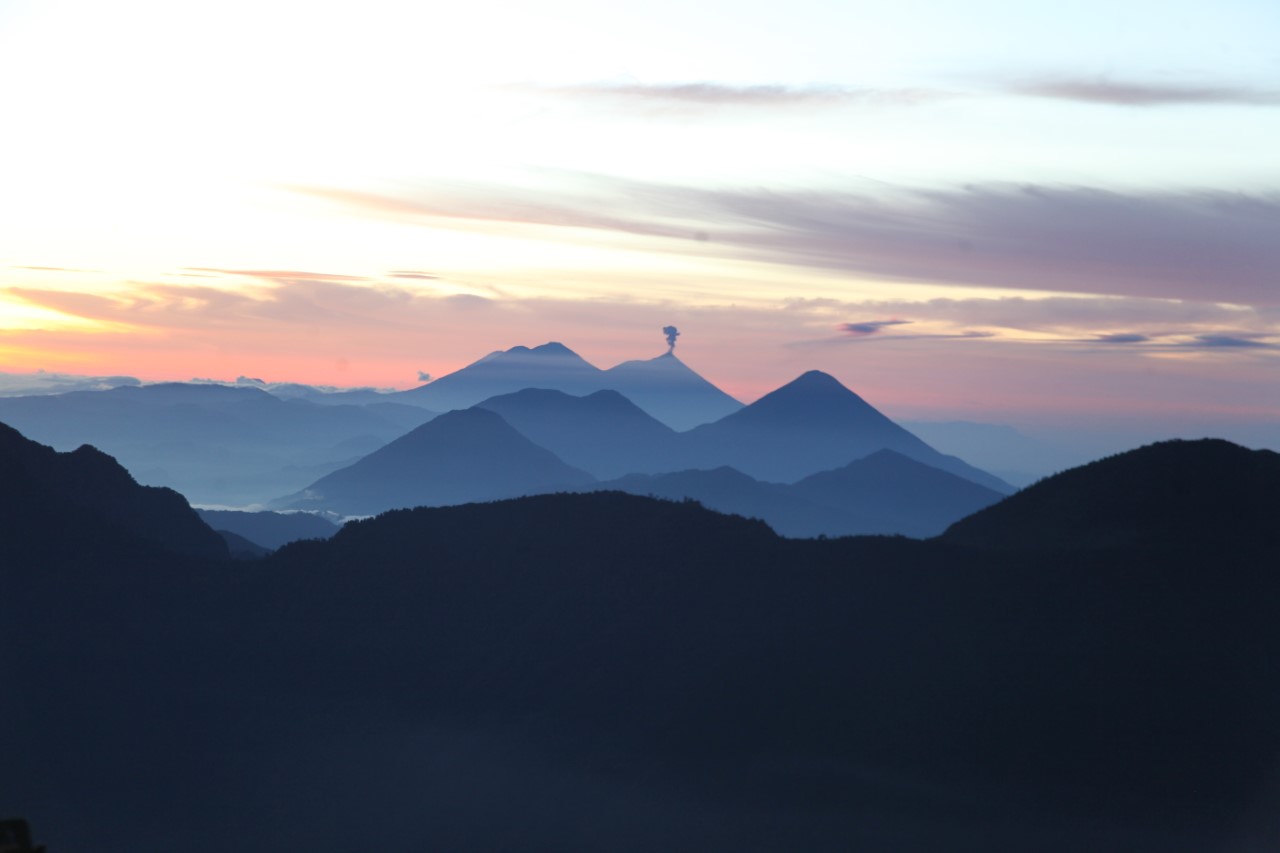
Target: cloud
(413, 274)
(282, 275)
(481, 205)
(869, 327)
(42, 382)
(1230, 342)
(1131, 94)
(705, 95)
(1206, 245)
(52, 269)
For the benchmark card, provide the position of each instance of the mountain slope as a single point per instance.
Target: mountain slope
(813, 424)
(461, 456)
(668, 389)
(1205, 491)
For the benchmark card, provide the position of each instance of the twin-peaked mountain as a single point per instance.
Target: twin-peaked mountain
(664, 386)
(604, 432)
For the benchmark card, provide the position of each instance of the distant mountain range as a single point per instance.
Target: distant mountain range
(614, 672)
(810, 426)
(242, 446)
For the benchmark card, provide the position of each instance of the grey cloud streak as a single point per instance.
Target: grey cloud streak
(870, 327)
(1131, 94)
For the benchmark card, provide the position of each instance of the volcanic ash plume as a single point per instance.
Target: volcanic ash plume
(672, 333)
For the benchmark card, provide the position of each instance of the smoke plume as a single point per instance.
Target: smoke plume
(672, 333)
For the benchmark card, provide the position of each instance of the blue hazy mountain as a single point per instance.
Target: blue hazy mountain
(887, 492)
(884, 493)
(459, 457)
(814, 424)
(216, 444)
(604, 432)
(664, 387)
(267, 529)
(728, 490)
(668, 389)
(54, 500)
(1207, 491)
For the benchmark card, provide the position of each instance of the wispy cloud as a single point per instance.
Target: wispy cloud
(1209, 245)
(1133, 94)
(707, 95)
(51, 269)
(282, 275)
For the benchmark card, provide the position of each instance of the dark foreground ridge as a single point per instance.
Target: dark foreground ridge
(612, 672)
(65, 501)
(1166, 494)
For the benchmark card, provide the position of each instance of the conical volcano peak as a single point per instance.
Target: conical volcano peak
(815, 380)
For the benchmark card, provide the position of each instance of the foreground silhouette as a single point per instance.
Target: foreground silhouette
(612, 672)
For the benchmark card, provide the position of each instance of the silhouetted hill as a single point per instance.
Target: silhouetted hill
(551, 365)
(1208, 492)
(460, 456)
(668, 389)
(216, 444)
(604, 433)
(269, 529)
(47, 496)
(814, 424)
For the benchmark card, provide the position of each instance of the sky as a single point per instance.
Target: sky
(1013, 212)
